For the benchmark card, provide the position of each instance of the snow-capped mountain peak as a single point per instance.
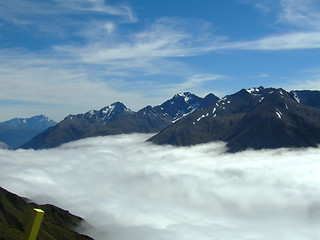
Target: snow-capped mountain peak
(186, 96)
(181, 105)
(20, 130)
(106, 114)
(36, 122)
(253, 90)
(114, 108)
(111, 111)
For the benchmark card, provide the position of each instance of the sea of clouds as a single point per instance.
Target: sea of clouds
(127, 188)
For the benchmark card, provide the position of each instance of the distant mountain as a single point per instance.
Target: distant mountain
(256, 118)
(17, 131)
(15, 213)
(118, 119)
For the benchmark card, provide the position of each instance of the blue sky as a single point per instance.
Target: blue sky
(69, 56)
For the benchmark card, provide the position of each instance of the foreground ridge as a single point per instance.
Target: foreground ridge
(15, 212)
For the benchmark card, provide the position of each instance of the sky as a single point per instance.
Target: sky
(127, 188)
(61, 57)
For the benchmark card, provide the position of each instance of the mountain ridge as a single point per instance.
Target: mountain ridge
(117, 119)
(186, 119)
(256, 118)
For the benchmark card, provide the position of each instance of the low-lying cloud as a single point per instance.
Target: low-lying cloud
(131, 189)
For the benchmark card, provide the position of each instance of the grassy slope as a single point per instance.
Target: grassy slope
(14, 216)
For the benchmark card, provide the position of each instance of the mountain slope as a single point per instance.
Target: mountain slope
(15, 213)
(118, 119)
(256, 118)
(17, 131)
(278, 121)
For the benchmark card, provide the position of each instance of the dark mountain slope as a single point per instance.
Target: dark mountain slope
(153, 119)
(278, 121)
(255, 118)
(210, 123)
(180, 105)
(15, 213)
(146, 120)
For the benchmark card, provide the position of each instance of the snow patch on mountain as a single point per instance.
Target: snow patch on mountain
(296, 97)
(279, 114)
(108, 111)
(253, 90)
(186, 95)
(34, 122)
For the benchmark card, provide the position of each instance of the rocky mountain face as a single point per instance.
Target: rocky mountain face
(15, 213)
(118, 119)
(256, 118)
(17, 131)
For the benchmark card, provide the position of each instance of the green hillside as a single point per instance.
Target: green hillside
(15, 212)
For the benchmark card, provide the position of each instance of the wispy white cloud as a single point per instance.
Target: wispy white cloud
(165, 38)
(196, 84)
(130, 189)
(307, 80)
(151, 51)
(286, 41)
(300, 13)
(264, 6)
(110, 27)
(76, 88)
(296, 22)
(61, 20)
(16, 11)
(54, 81)
(292, 14)
(96, 6)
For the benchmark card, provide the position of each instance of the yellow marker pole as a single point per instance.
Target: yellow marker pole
(34, 224)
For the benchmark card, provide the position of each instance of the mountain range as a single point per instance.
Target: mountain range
(15, 132)
(118, 119)
(256, 118)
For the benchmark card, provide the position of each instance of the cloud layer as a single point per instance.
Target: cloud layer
(129, 189)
